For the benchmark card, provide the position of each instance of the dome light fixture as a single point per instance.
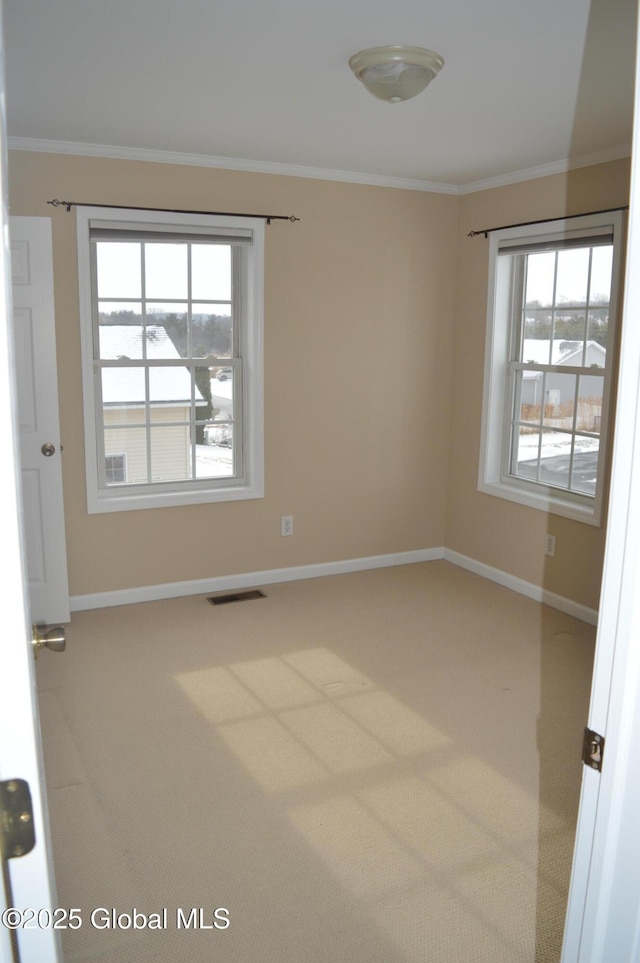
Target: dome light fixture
(396, 72)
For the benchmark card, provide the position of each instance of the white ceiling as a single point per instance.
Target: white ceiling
(526, 84)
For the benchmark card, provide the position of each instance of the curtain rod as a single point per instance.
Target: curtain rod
(168, 210)
(545, 220)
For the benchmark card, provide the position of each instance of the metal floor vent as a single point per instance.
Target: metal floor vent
(236, 597)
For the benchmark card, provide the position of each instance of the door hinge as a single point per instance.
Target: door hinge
(17, 832)
(593, 749)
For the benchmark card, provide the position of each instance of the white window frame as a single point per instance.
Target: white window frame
(494, 477)
(249, 483)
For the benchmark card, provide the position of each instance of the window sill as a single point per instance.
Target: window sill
(121, 501)
(586, 511)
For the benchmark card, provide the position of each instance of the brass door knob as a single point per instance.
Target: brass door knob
(49, 636)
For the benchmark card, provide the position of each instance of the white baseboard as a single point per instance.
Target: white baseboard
(228, 583)
(578, 611)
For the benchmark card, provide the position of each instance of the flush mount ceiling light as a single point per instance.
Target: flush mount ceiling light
(396, 72)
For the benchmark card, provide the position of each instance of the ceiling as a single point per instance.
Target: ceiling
(265, 85)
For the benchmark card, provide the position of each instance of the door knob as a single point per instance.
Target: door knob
(49, 636)
(48, 449)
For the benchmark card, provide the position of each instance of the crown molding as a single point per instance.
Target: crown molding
(316, 173)
(546, 170)
(226, 163)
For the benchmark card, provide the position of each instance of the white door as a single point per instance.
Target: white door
(37, 387)
(26, 881)
(603, 916)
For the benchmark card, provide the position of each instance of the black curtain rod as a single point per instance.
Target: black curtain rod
(169, 210)
(545, 220)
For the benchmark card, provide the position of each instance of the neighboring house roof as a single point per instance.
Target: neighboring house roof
(563, 352)
(125, 386)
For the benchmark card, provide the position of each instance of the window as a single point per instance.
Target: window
(115, 467)
(171, 323)
(549, 361)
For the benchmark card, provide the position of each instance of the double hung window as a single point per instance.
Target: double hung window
(171, 320)
(549, 362)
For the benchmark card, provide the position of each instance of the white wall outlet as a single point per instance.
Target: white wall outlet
(286, 525)
(550, 545)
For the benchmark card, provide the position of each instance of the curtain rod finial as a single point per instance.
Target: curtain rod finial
(56, 203)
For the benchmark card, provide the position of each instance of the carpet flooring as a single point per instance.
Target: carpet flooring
(378, 767)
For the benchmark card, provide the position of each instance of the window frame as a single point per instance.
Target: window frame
(499, 393)
(247, 362)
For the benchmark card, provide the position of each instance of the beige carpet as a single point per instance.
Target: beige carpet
(381, 767)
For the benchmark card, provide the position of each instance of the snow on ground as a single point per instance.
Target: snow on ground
(213, 461)
(553, 443)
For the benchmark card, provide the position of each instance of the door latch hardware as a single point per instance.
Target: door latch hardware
(17, 832)
(49, 636)
(48, 449)
(593, 749)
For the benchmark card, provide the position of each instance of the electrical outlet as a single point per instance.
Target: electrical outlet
(550, 545)
(286, 525)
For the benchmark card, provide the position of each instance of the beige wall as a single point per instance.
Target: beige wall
(374, 355)
(358, 350)
(489, 529)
